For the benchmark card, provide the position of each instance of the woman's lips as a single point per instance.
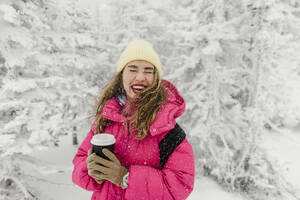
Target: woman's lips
(136, 88)
(134, 91)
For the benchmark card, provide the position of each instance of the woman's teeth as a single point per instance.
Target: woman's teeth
(138, 87)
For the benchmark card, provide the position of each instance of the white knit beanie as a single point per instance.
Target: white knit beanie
(139, 50)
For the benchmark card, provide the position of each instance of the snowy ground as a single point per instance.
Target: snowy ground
(56, 184)
(284, 148)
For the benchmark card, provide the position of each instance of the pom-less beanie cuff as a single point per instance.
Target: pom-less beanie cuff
(139, 50)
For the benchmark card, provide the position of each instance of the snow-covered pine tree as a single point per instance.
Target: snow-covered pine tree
(47, 52)
(226, 88)
(280, 36)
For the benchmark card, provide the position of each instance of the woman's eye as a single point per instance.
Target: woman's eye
(132, 70)
(149, 72)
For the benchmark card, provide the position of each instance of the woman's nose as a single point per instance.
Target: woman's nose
(140, 76)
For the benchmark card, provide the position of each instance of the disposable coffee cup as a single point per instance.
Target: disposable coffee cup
(102, 141)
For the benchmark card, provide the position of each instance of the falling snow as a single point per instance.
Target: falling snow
(236, 63)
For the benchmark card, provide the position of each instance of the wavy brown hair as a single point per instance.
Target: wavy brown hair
(144, 106)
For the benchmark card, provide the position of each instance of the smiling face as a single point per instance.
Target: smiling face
(137, 75)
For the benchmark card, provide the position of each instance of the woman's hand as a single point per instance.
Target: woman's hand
(112, 170)
(91, 167)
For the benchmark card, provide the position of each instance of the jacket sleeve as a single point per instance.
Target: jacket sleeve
(174, 181)
(80, 174)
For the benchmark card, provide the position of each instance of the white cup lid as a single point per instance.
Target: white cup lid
(103, 139)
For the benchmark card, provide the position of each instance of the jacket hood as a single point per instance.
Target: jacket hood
(165, 118)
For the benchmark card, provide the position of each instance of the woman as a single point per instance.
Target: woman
(151, 158)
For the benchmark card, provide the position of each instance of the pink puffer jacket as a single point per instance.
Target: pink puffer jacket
(146, 180)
